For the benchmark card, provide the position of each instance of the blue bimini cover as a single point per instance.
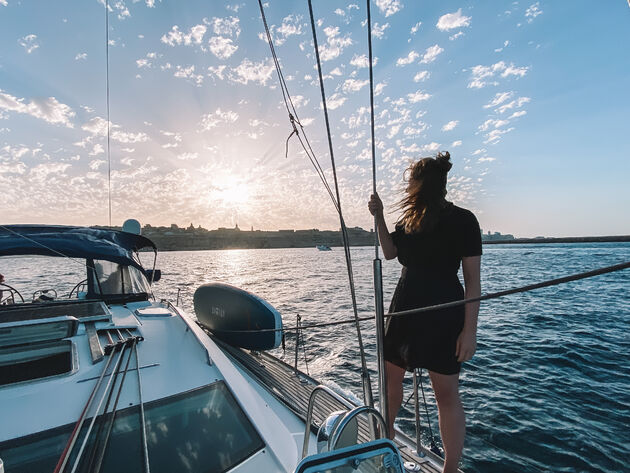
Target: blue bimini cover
(73, 242)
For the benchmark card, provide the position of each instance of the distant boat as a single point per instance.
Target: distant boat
(323, 248)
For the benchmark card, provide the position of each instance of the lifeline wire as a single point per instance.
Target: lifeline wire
(494, 295)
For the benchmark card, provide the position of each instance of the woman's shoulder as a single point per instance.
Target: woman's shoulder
(462, 212)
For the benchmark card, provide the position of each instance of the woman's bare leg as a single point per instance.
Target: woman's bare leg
(395, 375)
(452, 418)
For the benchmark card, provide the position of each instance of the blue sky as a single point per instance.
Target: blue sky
(529, 97)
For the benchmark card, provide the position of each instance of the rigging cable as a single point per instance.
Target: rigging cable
(109, 158)
(293, 115)
(377, 267)
(367, 388)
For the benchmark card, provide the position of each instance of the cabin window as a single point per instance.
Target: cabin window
(114, 278)
(203, 430)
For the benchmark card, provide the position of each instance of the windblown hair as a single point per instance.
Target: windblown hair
(425, 195)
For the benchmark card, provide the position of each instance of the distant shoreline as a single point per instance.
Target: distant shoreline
(227, 245)
(587, 239)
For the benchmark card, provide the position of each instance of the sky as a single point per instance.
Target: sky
(529, 97)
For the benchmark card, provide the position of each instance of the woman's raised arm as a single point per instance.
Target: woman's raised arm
(387, 244)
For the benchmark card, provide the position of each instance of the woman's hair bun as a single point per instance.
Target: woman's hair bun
(444, 161)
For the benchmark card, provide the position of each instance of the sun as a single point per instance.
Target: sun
(232, 190)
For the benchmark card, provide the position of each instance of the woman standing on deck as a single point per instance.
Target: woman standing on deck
(431, 238)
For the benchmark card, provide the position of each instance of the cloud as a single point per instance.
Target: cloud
(481, 75)
(29, 43)
(248, 71)
(335, 101)
(226, 26)
(362, 61)
(388, 7)
(218, 117)
(431, 53)
(421, 76)
(96, 163)
(187, 156)
(378, 31)
(354, 85)
(450, 125)
(415, 28)
(96, 150)
(455, 144)
(418, 96)
(520, 113)
(291, 26)
(453, 37)
(498, 99)
(217, 71)
(49, 110)
(175, 37)
(451, 21)
(335, 44)
(97, 126)
(80, 56)
(486, 159)
(188, 73)
(4, 3)
(411, 57)
(495, 135)
(222, 47)
(533, 11)
(518, 103)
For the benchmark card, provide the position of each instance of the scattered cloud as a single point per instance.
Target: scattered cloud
(175, 37)
(532, 12)
(188, 73)
(97, 126)
(222, 47)
(335, 44)
(218, 117)
(410, 58)
(354, 85)
(455, 144)
(49, 110)
(431, 54)
(378, 30)
(421, 76)
(29, 43)
(482, 76)
(388, 7)
(415, 28)
(450, 125)
(451, 21)
(229, 26)
(418, 96)
(248, 71)
(453, 37)
(80, 56)
(187, 156)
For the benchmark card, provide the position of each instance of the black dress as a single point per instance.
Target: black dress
(431, 262)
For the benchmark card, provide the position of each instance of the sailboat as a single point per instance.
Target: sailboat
(109, 378)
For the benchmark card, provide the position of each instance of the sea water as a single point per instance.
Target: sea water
(548, 389)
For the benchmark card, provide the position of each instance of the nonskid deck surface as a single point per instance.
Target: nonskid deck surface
(294, 391)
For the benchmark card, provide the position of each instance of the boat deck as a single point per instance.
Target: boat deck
(294, 390)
